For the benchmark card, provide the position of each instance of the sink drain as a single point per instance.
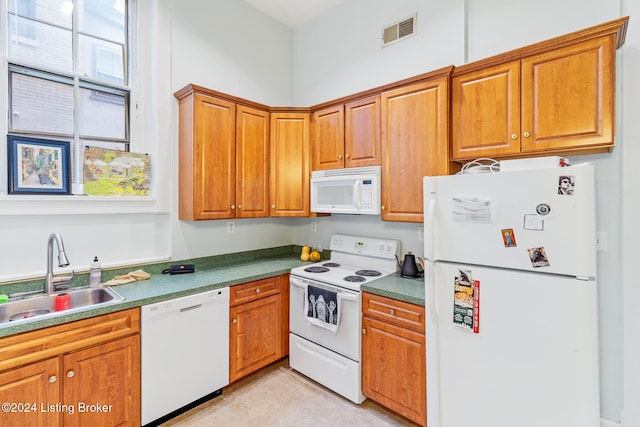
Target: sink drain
(27, 314)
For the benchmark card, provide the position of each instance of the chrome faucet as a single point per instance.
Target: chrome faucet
(63, 261)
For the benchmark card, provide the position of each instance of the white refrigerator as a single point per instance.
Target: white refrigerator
(511, 299)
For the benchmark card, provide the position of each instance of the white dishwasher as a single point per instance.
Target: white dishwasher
(184, 351)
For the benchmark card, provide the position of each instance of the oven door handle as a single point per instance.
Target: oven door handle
(343, 295)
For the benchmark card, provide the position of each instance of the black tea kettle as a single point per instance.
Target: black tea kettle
(409, 266)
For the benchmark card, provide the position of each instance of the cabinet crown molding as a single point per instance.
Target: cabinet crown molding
(617, 27)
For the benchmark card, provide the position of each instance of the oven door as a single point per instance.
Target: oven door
(346, 339)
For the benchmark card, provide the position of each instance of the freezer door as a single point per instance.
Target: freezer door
(533, 361)
(538, 220)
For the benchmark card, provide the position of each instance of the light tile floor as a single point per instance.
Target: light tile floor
(278, 396)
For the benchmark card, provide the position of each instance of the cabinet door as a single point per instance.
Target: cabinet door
(103, 384)
(32, 390)
(362, 136)
(252, 162)
(328, 138)
(414, 144)
(207, 158)
(254, 336)
(290, 159)
(568, 97)
(393, 368)
(485, 112)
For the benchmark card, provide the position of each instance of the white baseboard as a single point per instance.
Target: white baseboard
(608, 423)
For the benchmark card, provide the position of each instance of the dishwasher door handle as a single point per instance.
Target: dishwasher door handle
(193, 307)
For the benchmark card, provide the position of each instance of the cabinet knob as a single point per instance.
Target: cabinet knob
(339, 156)
(364, 331)
(526, 134)
(392, 312)
(234, 320)
(273, 206)
(71, 374)
(514, 136)
(233, 207)
(347, 156)
(53, 379)
(257, 290)
(239, 206)
(383, 207)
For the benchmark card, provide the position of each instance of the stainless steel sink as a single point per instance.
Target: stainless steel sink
(43, 306)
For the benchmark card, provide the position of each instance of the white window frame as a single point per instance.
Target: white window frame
(141, 134)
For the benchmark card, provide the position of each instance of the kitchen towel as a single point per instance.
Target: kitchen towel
(322, 308)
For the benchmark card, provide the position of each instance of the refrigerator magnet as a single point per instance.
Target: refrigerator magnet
(538, 257)
(566, 184)
(463, 301)
(508, 238)
(543, 209)
(533, 222)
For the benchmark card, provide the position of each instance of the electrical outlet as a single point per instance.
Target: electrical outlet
(421, 233)
(314, 225)
(231, 227)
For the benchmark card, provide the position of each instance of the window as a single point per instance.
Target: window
(68, 72)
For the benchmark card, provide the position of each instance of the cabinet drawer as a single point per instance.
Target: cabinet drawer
(252, 291)
(400, 313)
(20, 349)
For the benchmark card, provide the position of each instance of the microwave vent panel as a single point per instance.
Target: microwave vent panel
(399, 30)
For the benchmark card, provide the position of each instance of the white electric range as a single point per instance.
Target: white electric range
(325, 310)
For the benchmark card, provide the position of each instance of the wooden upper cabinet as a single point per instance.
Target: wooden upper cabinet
(362, 136)
(347, 135)
(290, 164)
(224, 157)
(485, 112)
(207, 157)
(568, 96)
(252, 162)
(328, 138)
(415, 142)
(555, 97)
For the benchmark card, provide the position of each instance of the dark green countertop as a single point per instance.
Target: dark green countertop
(209, 276)
(397, 287)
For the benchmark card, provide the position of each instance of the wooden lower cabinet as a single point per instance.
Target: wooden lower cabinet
(26, 390)
(103, 383)
(256, 326)
(394, 356)
(54, 377)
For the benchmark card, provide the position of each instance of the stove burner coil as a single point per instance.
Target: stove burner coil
(316, 269)
(354, 279)
(368, 273)
(331, 264)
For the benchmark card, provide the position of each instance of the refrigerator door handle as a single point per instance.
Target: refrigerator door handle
(431, 288)
(431, 210)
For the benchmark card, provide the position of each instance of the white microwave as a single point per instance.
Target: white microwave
(346, 191)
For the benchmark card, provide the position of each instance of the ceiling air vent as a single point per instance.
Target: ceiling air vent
(399, 30)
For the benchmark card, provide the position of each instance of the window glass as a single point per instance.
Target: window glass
(101, 60)
(67, 69)
(103, 19)
(33, 42)
(39, 105)
(101, 114)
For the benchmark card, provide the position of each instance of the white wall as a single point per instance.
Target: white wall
(231, 47)
(340, 52)
(629, 134)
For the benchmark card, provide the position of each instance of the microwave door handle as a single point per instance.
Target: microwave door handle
(356, 192)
